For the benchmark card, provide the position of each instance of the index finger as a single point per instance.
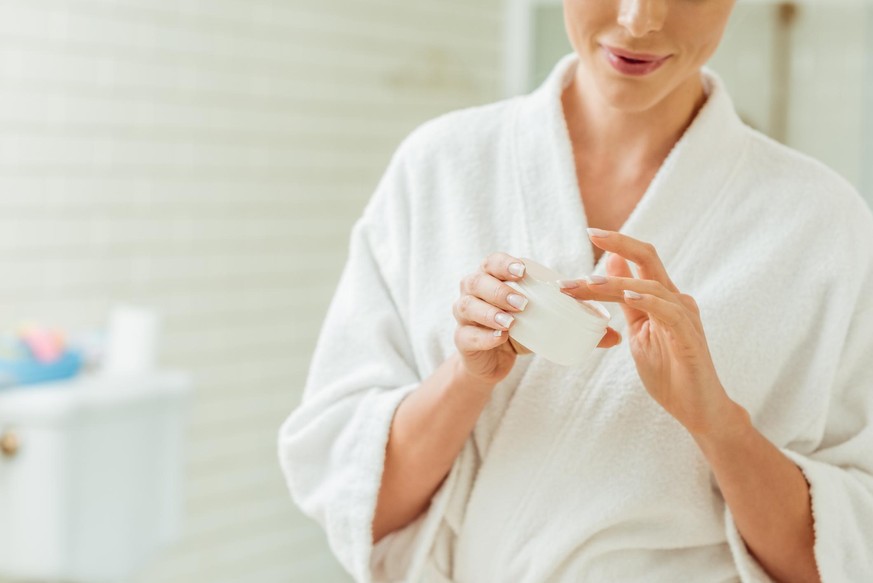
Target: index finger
(503, 266)
(643, 254)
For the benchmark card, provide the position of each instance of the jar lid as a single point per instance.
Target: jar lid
(549, 277)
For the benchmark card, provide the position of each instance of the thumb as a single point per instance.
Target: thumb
(610, 338)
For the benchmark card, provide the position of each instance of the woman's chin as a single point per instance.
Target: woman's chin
(628, 97)
(626, 93)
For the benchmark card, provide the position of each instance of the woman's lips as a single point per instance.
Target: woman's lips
(636, 64)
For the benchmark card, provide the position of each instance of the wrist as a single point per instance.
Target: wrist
(730, 427)
(467, 381)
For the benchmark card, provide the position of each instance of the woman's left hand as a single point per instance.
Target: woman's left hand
(664, 330)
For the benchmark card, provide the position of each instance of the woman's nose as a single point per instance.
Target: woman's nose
(640, 17)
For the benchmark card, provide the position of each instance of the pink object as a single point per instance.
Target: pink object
(45, 345)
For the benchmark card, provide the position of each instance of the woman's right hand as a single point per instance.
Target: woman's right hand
(485, 312)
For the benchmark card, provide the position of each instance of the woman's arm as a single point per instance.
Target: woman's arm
(767, 495)
(765, 491)
(427, 433)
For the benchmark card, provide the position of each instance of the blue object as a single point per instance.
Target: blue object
(29, 371)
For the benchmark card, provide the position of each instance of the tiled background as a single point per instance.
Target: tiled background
(207, 158)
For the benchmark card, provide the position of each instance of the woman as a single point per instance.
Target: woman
(728, 438)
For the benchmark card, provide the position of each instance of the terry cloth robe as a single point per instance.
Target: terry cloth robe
(575, 474)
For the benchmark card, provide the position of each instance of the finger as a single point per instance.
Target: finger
(609, 288)
(490, 289)
(612, 289)
(472, 338)
(643, 254)
(671, 314)
(472, 310)
(503, 266)
(616, 266)
(610, 339)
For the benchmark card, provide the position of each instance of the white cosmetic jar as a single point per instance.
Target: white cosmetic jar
(554, 325)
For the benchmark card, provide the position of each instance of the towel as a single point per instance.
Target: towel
(575, 473)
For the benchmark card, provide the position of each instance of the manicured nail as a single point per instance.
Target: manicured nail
(503, 319)
(631, 295)
(498, 332)
(597, 232)
(516, 301)
(568, 283)
(516, 269)
(597, 279)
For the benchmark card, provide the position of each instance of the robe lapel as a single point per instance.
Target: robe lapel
(672, 214)
(684, 192)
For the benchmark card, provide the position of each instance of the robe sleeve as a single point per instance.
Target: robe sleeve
(839, 468)
(332, 446)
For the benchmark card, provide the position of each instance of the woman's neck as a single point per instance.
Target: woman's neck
(604, 135)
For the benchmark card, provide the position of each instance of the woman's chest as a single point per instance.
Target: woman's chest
(580, 453)
(608, 204)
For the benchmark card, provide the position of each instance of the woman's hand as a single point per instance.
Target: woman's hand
(484, 312)
(665, 331)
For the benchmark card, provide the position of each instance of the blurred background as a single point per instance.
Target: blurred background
(177, 184)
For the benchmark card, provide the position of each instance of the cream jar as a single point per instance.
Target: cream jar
(554, 325)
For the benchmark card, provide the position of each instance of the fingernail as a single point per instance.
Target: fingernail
(516, 269)
(631, 295)
(503, 319)
(516, 301)
(498, 332)
(568, 283)
(597, 232)
(597, 279)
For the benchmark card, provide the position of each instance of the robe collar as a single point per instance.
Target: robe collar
(681, 196)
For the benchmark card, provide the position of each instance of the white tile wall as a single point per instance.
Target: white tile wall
(831, 70)
(207, 158)
(828, 86)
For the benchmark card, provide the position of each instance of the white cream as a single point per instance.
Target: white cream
(554, 325)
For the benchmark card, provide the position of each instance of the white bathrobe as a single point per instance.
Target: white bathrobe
(576, 474)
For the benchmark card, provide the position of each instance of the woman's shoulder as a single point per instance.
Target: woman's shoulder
(460, 132)
(805, 186)
(782, 166)
(443, 161)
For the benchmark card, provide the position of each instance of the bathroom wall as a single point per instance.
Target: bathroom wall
(207, 158)
(826, 105)
(866, 126)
